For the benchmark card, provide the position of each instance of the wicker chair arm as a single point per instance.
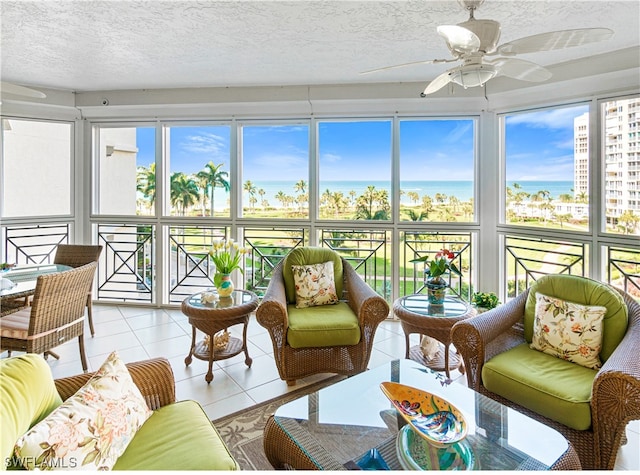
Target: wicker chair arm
(272, 311)
(365, 302)
(479, 338)
(616, 391)
(154, 378)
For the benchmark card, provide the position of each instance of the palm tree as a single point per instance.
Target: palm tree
(281, 197)
(251, 189)
(301, 188)
(184, 191)
(213, 178)
(146, 182)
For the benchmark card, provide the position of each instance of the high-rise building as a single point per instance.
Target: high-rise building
(581, 157)
(622, 159)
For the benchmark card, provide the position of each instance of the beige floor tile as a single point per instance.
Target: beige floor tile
(138, 333)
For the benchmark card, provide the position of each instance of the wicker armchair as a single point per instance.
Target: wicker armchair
(55, 315)
(76, 255)
(615, 395)
(294, 363)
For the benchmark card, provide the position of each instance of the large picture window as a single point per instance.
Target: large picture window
(547, 168)
(199, 170)
(275, 171)
(621, 155)
(36, 168)
(126, 170)
(354, 170)
(437, 170)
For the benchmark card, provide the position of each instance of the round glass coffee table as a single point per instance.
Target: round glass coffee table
(212, 317)
(417, 315)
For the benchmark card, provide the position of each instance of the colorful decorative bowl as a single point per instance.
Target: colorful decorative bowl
(433, 418)
(415, 453)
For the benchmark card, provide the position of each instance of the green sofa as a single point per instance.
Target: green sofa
(177, 436)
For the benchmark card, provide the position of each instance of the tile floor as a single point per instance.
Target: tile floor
(139, 333)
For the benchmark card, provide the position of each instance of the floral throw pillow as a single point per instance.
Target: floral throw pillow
(568, 330)
(91, 429)
(314, 285)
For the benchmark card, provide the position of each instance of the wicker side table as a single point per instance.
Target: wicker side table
(418, 316)
(211, 318)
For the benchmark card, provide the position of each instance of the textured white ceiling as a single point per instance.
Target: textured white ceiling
(113, 45)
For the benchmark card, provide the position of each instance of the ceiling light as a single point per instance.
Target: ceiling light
(473, 75)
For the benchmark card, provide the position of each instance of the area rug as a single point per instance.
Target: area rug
(242, 431)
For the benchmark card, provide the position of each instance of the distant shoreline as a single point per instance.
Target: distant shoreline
(461, 189)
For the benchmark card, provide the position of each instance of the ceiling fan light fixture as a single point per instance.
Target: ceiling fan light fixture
(473, 75)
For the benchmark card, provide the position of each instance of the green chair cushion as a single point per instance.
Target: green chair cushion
(310, 255)
(550, 386)
(584, 291)
(179, 436)
(325, 325)
(27, 395)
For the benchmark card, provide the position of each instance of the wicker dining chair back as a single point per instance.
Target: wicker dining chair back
(56, 314)
(76, 255)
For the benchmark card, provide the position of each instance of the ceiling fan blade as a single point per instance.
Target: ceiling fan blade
(459, 39)
(438, 83)
(16, 90)
(427, 61)
(520, 69)
(554, 40)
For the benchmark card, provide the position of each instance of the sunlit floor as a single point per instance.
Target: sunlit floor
(139, 333)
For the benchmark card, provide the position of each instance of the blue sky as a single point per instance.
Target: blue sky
(539, 147)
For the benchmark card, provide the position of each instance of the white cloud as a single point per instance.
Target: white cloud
(559, 118)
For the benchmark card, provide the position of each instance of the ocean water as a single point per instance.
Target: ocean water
(463, 190)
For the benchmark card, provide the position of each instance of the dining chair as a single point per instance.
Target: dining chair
(56, 314)
(75, 255)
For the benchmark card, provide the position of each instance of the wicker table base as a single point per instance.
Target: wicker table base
(437, 363)
(214, 317)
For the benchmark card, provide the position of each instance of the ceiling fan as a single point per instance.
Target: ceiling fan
(17, 90)
(471, 41)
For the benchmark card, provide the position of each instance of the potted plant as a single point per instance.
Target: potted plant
(434, 269)
(484, 301)
(226, 255)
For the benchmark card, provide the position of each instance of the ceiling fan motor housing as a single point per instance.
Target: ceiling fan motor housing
(488, 31)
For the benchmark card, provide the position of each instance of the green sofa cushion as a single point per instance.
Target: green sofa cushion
(179, 436)
(325, 325)
(310, 255)
(27, 395)
(584, 291)
(550, 386)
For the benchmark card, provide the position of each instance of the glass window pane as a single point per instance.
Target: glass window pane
(199, 170)
(36, 168)
(275, 171)
(126, 171)
(437, 170)
(354, 170)
(621, 154)
(547, 168)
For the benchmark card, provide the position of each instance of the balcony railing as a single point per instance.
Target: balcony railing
(623, 269)
(527, 259)
(34, 244)
(127, 269)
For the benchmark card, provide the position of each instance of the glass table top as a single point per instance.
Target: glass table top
(346, 420)
(209, 299)
(419, 304)
(22, 279)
